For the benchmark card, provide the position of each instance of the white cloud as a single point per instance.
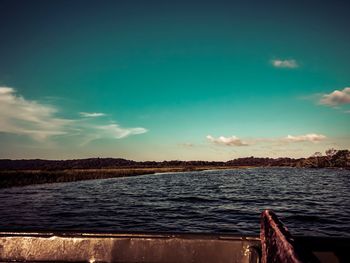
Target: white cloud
(6, 90)
(39, 121)
(115, 131)
(229, 141)
(235, 141)
(287, 63)
(336, 97)
(311, 137)
(110, 131)
(92, 114)
(26, 117)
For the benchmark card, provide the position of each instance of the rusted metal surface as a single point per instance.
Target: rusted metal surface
(278, 245)
(80, 247)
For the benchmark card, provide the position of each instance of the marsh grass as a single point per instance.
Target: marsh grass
(21, 178)
(9, 178)
(28, 177)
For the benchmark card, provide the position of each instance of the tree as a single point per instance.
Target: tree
(341, 158)
(317, 154)
(330, 152)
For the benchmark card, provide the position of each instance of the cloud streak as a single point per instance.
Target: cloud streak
(286, 63)
(311, 137)
(26, 117)
(235, 141)
(115, 131)
(109, 131)
(92, 114)
(40, 122)
(336, 98)
(228, 141)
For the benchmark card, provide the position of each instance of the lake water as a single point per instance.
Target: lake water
(310, 202)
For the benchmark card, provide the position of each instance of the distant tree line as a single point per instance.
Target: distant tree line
(332, 158)
(256, 161)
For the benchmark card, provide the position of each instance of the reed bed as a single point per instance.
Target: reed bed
(28, 177)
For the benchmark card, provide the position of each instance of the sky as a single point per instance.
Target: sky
(173, 80)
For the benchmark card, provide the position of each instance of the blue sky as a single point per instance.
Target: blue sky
(162, 80)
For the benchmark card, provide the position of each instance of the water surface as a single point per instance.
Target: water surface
(309, 201)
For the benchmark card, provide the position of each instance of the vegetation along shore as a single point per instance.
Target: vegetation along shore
(27, 172)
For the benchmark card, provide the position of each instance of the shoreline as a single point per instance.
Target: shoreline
(17, 178)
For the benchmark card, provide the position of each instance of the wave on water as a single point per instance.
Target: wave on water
(309, 202)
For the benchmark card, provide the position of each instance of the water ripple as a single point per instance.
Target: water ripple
(310, 202)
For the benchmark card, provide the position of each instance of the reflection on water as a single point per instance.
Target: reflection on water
(310, 202)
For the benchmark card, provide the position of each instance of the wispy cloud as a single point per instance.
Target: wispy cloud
(109, 131)
(311, 137)
(92, 114)
(336, 98)
(115, 131)
(235, 141)
(286, 63)
(228, 141)
(27, 117)
(39, 121)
